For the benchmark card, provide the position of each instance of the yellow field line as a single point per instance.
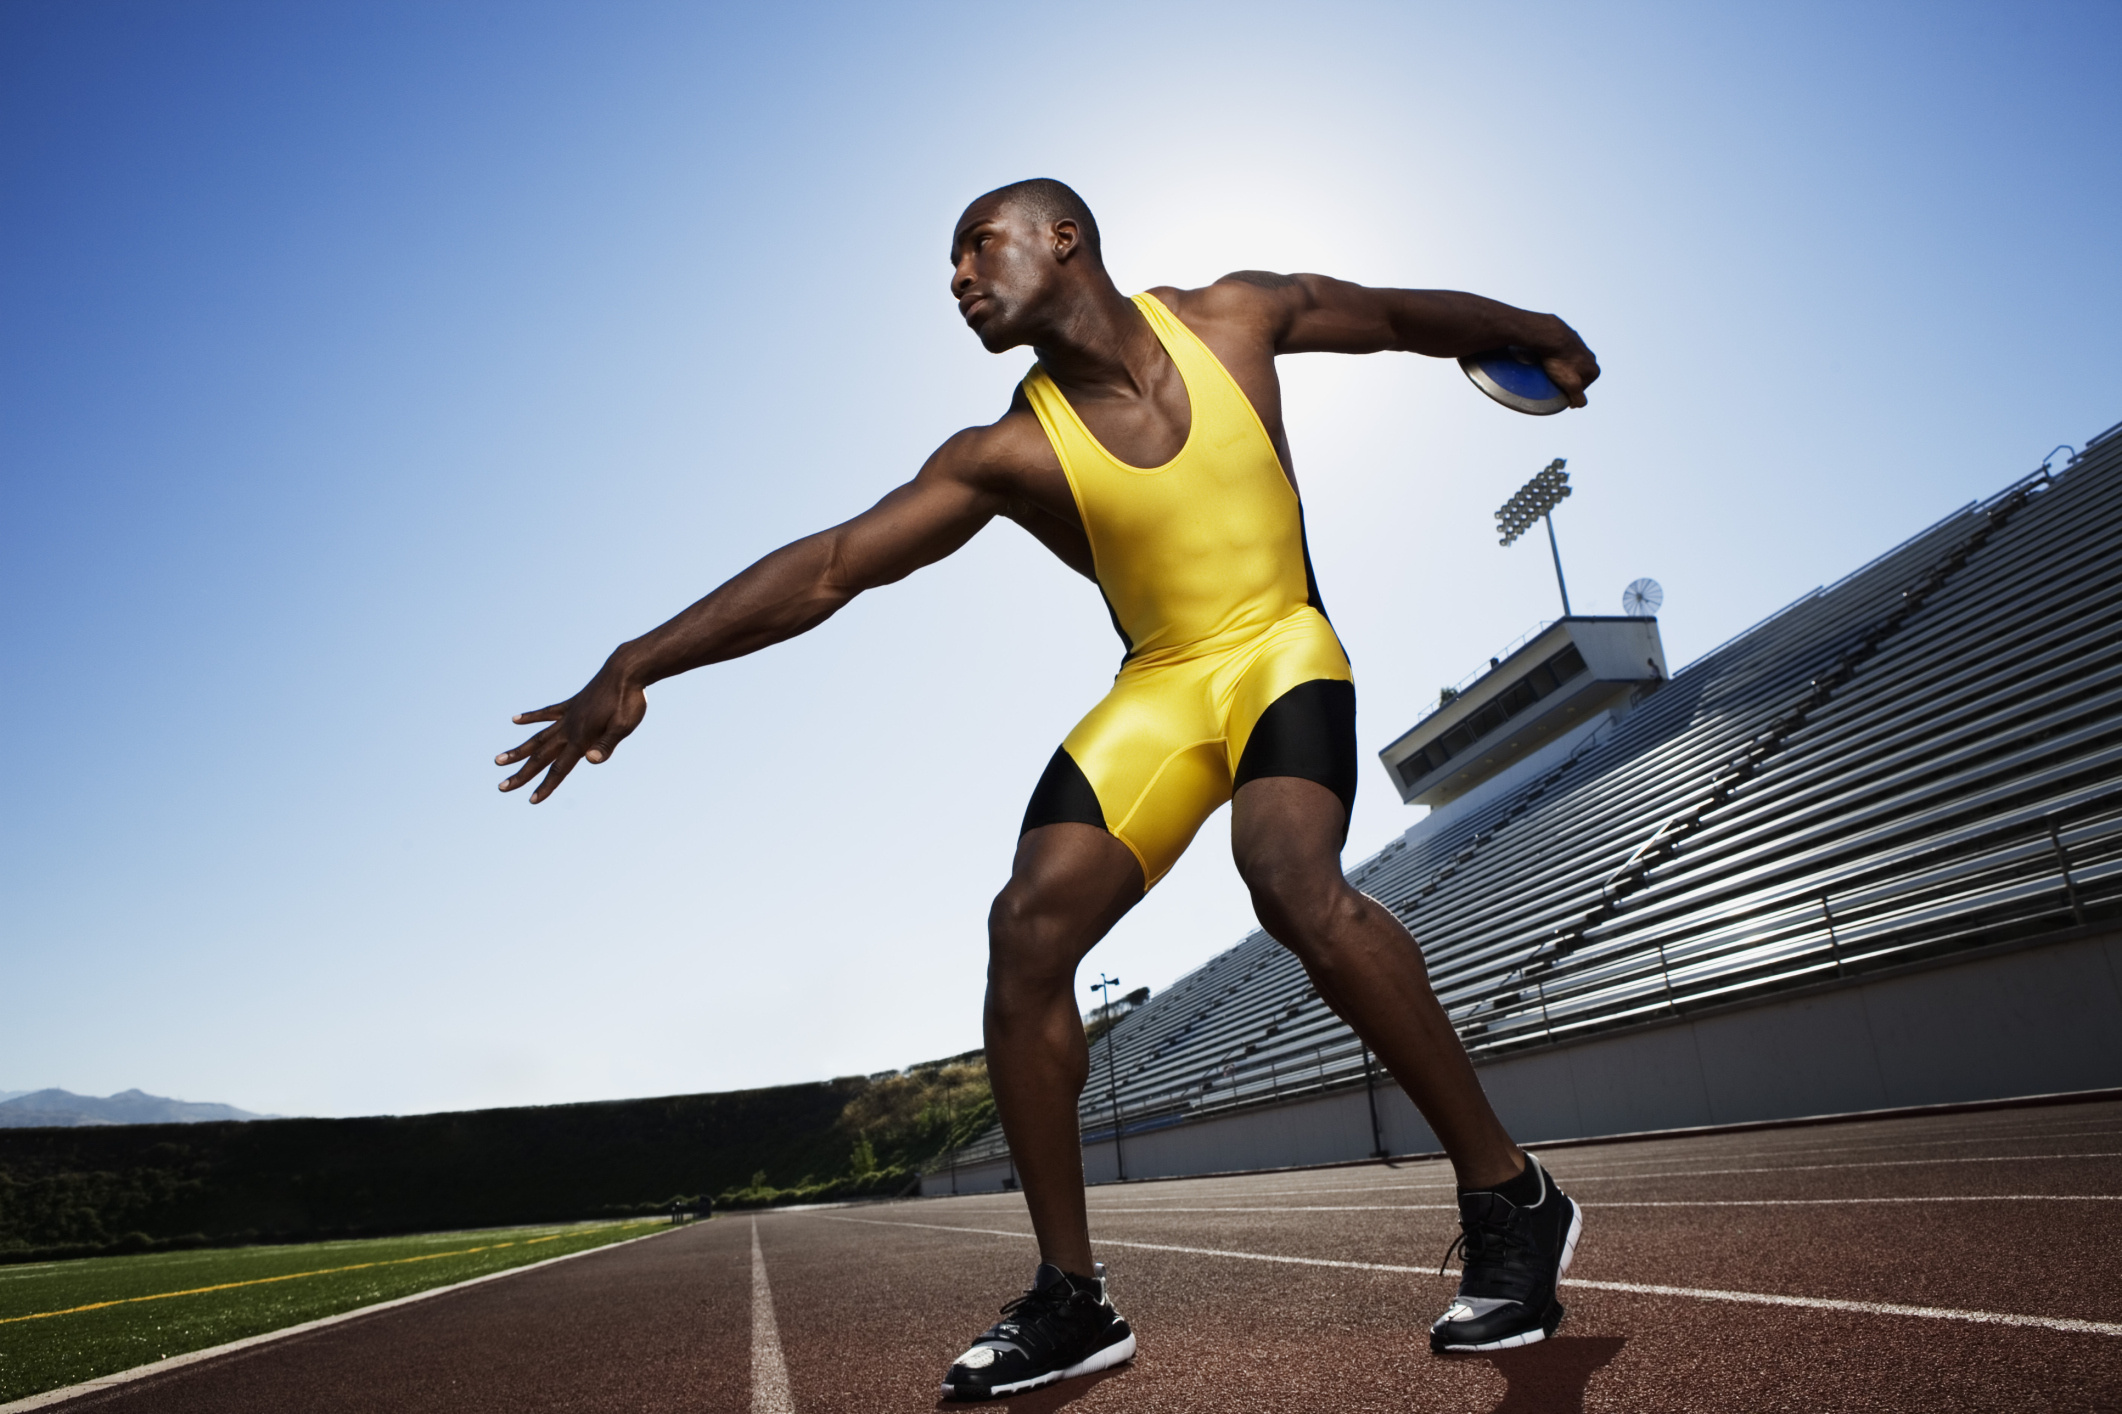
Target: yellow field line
(293, 1276)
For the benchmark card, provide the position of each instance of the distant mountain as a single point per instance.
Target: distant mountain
(61, 1109)
(6, 1095)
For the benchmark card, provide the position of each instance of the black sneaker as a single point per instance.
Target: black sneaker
(1063, 1327)
(1514, 1258)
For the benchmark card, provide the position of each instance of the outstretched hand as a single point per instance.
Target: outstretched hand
(591, 724)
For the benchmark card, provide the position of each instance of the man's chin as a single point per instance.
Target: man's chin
(996, 335)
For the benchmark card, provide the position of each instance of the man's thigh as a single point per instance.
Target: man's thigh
(1069, 884)
(1287, 829)
(1148, 765)
(1293, 713)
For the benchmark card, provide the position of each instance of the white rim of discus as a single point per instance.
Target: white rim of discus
(1516, 402)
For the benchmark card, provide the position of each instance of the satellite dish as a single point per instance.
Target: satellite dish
(1642, 598)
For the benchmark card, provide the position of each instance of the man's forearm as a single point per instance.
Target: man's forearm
(788, 592)
(1448, 323)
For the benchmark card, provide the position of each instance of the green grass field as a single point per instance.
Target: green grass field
(64, 1322)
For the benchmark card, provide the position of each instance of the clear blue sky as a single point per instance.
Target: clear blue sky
(371, 369)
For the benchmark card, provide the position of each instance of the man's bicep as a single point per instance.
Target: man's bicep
(1336, 316)
(915, 524)
(1304, 313)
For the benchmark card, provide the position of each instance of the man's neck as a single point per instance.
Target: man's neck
(1101, 344)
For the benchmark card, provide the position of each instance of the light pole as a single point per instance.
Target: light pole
(1370, 1089)
(1536, 500)
(1105, 985)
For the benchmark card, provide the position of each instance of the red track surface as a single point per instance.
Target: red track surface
(872, 1302)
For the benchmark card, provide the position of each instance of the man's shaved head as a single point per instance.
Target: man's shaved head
(1024, 262)
(1045, 201)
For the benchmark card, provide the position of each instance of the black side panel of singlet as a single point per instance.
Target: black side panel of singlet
(1063, 796)
(1311, 581)
(1114, 615)
(1308, 732)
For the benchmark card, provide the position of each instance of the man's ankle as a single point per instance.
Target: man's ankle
(1522, 1188)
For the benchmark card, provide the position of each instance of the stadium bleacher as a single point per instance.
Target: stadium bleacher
(1920, 760)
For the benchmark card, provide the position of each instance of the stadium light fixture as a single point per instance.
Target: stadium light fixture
(1536, 500)
(1106, 984)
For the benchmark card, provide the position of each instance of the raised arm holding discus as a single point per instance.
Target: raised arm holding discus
(1146, 449)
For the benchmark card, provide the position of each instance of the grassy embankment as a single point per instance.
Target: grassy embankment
(65, 1322)
(893, 1126)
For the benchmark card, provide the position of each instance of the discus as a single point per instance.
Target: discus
(1514, 380)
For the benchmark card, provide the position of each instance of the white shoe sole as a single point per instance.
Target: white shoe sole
(1537, 1333)
(1119, 1352)
(1569, 1243)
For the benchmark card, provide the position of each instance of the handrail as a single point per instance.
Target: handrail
(1477, 674)
(2084, 879)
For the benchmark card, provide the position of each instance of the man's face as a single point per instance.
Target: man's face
(1002, 266)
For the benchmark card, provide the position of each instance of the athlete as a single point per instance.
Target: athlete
(1146, 449)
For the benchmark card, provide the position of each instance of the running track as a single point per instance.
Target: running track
(1937, 1263)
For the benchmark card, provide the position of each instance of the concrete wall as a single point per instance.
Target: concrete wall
(2031, 1021)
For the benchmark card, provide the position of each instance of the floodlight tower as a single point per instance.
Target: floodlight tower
(1536, 500)
(1105, 985)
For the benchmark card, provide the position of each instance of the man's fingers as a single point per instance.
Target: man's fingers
(510, 758)
(557, 774)
(600, 750)
(1569, 377)
(552, 751)
(540, 758)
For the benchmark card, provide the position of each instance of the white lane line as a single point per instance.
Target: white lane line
(1882, 1146)
(1572, 1175)
(1306, 1208)
(1755, 1298)
(1604, 1203)
(769, 1371)
(1868, 1145)
(1863, 1164)
(1879, 1151)
(1868, 1308)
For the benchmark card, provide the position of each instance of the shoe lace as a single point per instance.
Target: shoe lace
(1030, 1317)
(1487, 1240)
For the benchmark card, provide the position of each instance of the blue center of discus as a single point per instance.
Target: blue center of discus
(1527, 380)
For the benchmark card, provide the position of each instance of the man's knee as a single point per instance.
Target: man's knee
(1028, 914)
(1032, 942)
(1304, 908)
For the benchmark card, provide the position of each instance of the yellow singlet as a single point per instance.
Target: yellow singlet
(1232, 671)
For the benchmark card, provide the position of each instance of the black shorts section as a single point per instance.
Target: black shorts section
(1309, 732)
(1063, 796)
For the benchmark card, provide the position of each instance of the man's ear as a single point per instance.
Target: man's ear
(1067, 239)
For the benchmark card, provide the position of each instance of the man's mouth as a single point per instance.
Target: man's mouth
(970, 306)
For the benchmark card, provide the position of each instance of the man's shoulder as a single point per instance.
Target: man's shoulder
(1012, 445)
(1257, 301)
